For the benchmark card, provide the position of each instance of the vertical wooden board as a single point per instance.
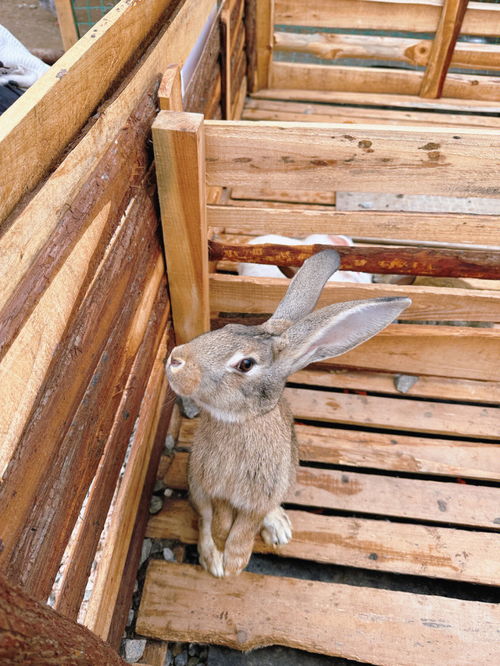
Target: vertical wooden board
(264, 25)
(66, 21)
(364, 624)
(170, 90)
(450, 23)
(180, 167)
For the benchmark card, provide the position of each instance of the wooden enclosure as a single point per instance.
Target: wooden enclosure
(118, 241)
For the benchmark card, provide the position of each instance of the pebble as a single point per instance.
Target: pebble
(168, 555)
(159, 485)
(134, 649)
(147, 544)
(155, 505)
(168, 492)
(192, 649)
(193, 661)
(404, 383)
(130, 618)
(181, 659)
(169, 443)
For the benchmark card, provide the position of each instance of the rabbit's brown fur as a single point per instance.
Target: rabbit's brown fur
(244, 453)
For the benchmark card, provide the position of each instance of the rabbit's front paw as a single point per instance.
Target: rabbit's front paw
(212, 560)
(276, 528)
(234, 564)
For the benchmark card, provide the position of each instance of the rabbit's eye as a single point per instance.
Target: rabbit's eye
(245, 364)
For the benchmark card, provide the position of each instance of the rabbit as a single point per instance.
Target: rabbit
(265, 270)
(244, 454)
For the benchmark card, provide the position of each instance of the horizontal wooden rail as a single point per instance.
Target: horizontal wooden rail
(358, 158)
(400, 261)
(414, 51)
(404, 15)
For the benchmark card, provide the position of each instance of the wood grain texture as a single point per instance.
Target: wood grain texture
(375, 259)
(31, 631)
(229, 293)
(198, 97)
(355, 542)
(101, 604)
(264, 25)
(66, 21)
(443, 45)
(170, 90)
(412, 16)
(462, 228)
(364, 158)
(269, 109)
(392, 452)
(373, 494)
(429, 629)
(88, 67)
(397, 101)
(180, 166)
(372, 80)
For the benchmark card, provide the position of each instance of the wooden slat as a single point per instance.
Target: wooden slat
(32, 136)
(372, 80)
(180, 162)
(248, 294)
(99, 612)
(370, 544)
(374, 259)
(170, 90)
(440, 58)
(202, 91)
(374, 494)
(392, 452)
(366, 158)
(392, 413)
(392, 628)
(66, 21)
(326, 199)
(413, 16)
(397, 101)
(425, 387)
(462, 228)
(264, 23)
(265, 109)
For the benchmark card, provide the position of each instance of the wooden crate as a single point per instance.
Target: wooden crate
(394, 482)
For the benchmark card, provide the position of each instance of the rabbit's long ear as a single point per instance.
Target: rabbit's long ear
(335, 330)
(305, 288)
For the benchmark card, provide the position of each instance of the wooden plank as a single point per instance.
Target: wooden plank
(373, 80)
(88, 68)
(326, 199)
(66, 21)
(83, 544)
(180, 164)
(413, 16)
(395, 413)
(99, 612)
(440, 57)
(229, 293)
(425, 387)
(200, 89)
(462, 228)
(447, 351)
(374, 494)
(29, 629)
(370, 544)
(265, 109)
(366, 158)
(397, 101)
(413, 51)
(391, 452)
(374, 259)
(264, 25)
(429, 629)
(170, 90)
(94, 332)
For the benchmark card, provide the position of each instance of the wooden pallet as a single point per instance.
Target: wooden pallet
(370, 494)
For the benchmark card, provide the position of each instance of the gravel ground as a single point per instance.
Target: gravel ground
(34, 25)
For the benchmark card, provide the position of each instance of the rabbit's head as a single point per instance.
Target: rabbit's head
(239, 372)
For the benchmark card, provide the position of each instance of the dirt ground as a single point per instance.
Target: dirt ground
(33, 25)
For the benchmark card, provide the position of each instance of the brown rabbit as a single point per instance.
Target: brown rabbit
(244, 453)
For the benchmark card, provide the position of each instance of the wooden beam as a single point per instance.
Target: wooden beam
(170, 90)
(361, 158)
(378, 545)
(440, 57)
(399, 261)
(264, 27)
(391, 627)
(226, 38)
(180, 166)
(67, 24)
(31, 633)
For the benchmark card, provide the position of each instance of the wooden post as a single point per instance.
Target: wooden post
(450, 23)
(260, 29)
(226, 61)
(179, 144)
(170, 90)
(32, 633)
(67, 26)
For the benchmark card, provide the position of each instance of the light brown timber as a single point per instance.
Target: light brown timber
(170, 90)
